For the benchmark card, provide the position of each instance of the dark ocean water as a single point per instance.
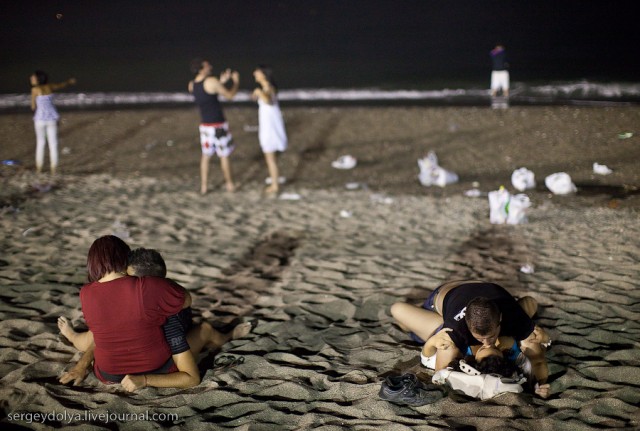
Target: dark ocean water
(440, 49)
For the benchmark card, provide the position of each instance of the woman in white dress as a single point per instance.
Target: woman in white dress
(272, 134)
(46, 117)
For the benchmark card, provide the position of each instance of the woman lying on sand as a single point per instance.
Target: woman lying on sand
(134, 350)
(476, 318)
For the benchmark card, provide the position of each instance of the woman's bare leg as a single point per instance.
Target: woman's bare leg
(272, 166)
(415, 319)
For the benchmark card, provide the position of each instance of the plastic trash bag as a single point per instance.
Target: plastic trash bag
(601, 169)
(560, 184)
(431, 174)
(517, 212)
(498, 206)
(523, 179)
(505, 208)
(344, 162)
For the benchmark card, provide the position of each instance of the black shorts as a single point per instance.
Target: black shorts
(175, 330)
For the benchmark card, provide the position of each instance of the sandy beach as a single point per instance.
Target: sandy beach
(320, 272)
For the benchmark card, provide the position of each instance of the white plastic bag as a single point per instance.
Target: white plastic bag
(517, 212)
(523, 179)
(431, 174)
(505, 208)
(344, 162)
(601, 169)
(498, 206)
(560, 183)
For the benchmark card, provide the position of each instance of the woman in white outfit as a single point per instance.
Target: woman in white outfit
(46, 117)
(272, 134)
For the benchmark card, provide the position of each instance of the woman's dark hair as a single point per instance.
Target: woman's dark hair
(147, 262)
(41, 77)
(268, 73)
(107, 254)
(482, 315)
(489, 365)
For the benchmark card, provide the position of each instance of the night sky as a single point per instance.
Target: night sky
(142, 45)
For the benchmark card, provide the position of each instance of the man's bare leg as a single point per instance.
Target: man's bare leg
(226, 172)
(204, 173)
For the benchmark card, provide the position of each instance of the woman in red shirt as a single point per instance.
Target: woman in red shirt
(125, 315)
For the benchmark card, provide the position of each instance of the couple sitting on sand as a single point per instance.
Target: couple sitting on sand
(140, 329)
(482, 322)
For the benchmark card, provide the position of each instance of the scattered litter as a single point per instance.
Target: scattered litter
(475, 184)
(381, 199)
(345, 214)
(26, 231)
(150, 145)
(281, 180)
(625, 135)
(523, 179)
(518, 209)
(527, 269)
(290, 197)
(10, 162)
(498, 206)
(473, 193)
(249, 128)
(169, 143)
(42, 188)
(344, 162)
(355, 186)
(560, 183)
(432, 174)
(505, 208)
(66, 150)
(601, 169)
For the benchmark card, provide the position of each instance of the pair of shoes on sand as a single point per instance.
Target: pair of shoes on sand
(227, 361)
(406, 389)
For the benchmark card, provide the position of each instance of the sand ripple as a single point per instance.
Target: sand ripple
(320, 286)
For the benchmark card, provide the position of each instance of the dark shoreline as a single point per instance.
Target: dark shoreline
(449, 102)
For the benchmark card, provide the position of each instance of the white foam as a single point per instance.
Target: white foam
(580, 92)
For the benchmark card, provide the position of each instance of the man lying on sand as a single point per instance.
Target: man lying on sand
(476, 318)
(185, 339)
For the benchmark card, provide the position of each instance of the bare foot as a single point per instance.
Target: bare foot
(65, 328)
(231, 187)
(271, 190)
(203, 190)
(241, 330)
